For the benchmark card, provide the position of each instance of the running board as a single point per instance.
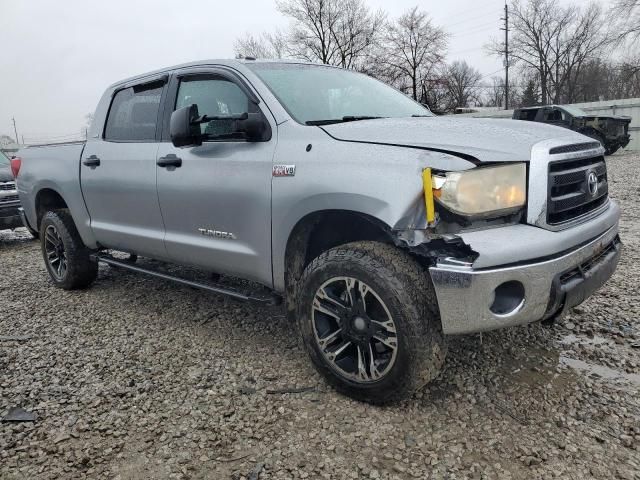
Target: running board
(272, 299)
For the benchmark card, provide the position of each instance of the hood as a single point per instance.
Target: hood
(5, 173)
(485, 139)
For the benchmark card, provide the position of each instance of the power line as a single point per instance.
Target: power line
(475, 29)
(471, 19)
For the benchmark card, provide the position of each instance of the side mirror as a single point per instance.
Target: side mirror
(254, 127)
(183, 130)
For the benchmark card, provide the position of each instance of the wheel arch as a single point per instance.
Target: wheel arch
(322, 230)
(47, 199)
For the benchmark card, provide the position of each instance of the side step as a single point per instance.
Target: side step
(272, 299)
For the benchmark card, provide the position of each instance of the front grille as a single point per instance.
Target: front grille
(576, 147)
(10, 198)
(7, 186)
(569, 192)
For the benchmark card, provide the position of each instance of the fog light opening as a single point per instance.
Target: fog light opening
(508, 298)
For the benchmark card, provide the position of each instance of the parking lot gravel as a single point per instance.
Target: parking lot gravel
(138, 378)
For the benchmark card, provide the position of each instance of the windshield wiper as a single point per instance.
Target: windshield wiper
(346, 118)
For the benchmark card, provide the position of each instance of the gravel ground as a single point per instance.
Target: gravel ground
(138, 378)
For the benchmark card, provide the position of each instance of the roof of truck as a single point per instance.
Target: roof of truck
(224, 62)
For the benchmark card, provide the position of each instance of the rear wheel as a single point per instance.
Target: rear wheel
(67, 259)
(369, 321)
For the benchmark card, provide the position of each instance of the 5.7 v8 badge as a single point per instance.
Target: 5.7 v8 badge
(284, 170)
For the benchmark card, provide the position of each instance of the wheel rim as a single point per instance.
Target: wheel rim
(54, 249)
(354, 329)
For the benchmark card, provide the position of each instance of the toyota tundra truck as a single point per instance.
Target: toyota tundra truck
(383, 228)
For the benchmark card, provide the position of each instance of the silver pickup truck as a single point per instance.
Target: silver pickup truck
(383, 228)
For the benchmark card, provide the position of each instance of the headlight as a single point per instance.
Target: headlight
(483, 190)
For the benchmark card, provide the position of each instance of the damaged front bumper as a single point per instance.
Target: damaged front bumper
(568, 266)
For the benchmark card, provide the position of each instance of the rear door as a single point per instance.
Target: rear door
(216, 205)
(118, 172)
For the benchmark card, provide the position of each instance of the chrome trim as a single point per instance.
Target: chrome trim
(464, 295)
(538, 183)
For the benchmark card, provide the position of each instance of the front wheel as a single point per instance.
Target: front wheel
(369, 320)
(67, 259)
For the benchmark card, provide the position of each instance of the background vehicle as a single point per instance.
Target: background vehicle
(9, 201)
(611, 132)
(383, 227)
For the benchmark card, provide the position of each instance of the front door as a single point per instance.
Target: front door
(118, 174)
(216, 204)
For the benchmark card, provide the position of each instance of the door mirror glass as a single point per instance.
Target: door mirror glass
(184, 129)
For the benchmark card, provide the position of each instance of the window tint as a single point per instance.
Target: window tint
(4, 160)
(215, 97)
(312, 93)
(529, 114)
(134, 114)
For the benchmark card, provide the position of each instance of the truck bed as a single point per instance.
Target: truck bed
(54, 167)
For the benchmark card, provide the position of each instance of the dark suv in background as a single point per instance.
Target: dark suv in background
(612, 132)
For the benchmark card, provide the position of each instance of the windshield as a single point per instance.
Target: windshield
(574, 111)
(315, 94)
(4, 160)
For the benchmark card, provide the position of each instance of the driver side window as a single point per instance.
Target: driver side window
(215, 97)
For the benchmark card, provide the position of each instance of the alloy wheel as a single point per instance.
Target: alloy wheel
(56, 255)
(354, 329)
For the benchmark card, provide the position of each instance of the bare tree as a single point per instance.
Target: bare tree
(627, 14)
(336, 32)
(495, 93)
(582, 40)
(554, 42)
(461, 81)
(265, 45)
(356, 33)
(413, 49)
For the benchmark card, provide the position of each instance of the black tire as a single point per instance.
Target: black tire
(80, 271)
(611, 150)
(406, 291)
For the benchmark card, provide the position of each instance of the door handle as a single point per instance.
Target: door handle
(91, 161)
(169, 161)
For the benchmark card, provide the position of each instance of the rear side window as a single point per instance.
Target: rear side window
(134, 114)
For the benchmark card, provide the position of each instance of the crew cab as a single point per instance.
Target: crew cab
(611, 131)
(384, 229)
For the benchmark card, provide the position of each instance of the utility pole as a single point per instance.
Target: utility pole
(15, 130)
(506, 56)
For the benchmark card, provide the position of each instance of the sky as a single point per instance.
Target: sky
(59, 56)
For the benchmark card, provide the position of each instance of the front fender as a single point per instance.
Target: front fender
(381, 181)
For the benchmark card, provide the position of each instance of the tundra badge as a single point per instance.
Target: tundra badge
(209, 232)
(284, 170)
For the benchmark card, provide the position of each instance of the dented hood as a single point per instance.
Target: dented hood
(485, 139)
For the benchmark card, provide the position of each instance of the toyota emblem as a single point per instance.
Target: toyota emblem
(592, 184)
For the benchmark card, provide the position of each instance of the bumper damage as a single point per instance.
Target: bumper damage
(475, 299)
